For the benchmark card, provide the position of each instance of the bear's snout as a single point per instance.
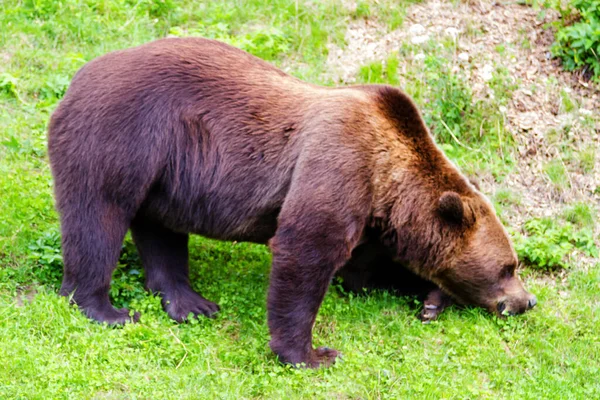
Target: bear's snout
(508, 307)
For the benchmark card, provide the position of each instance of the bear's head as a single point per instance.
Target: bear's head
(461, 245)
(481, 269)
(433, 220)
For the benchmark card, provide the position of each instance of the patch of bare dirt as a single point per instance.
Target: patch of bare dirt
(366, 41)
(25, 295)
(536, 116)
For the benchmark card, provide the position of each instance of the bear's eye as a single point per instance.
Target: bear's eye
(507, 271)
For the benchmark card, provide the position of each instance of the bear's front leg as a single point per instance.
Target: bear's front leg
(434, 304)
(303, 266)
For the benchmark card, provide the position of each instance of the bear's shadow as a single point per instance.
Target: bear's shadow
(372, 267)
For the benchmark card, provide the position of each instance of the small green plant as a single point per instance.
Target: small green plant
(363, 10)
(557, 173)
(265, 42)
(127, 280)
(546, 244)
(578, 45)
(372, 73)
(507, 197)
(8, 84)
(55, 88)
(377, 72)
(451, 100)
(567, 103)
(503, 83)
(580, 214)
(455, 116)
(156, 8)
(587, 159)
(47, 259)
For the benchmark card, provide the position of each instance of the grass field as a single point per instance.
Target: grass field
(49, 350)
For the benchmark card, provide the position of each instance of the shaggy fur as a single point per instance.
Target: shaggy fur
(184, 136)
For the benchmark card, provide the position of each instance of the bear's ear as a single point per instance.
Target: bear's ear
(451, 207)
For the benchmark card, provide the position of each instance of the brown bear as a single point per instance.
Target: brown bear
(183, 136)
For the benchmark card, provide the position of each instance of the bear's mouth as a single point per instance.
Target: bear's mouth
(505, 308)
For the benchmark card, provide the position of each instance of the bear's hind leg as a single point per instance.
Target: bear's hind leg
(164, 255)
(92, 237)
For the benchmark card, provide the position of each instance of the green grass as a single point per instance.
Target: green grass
(580, 214)
(587, 159)
(51, 351)
(557, 173)
(57, 353)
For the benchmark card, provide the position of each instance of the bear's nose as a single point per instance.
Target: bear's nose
(532, 302)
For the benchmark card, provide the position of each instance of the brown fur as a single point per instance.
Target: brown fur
(187, 136)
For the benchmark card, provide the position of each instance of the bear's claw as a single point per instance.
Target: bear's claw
(180, 306)
(112, 316)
